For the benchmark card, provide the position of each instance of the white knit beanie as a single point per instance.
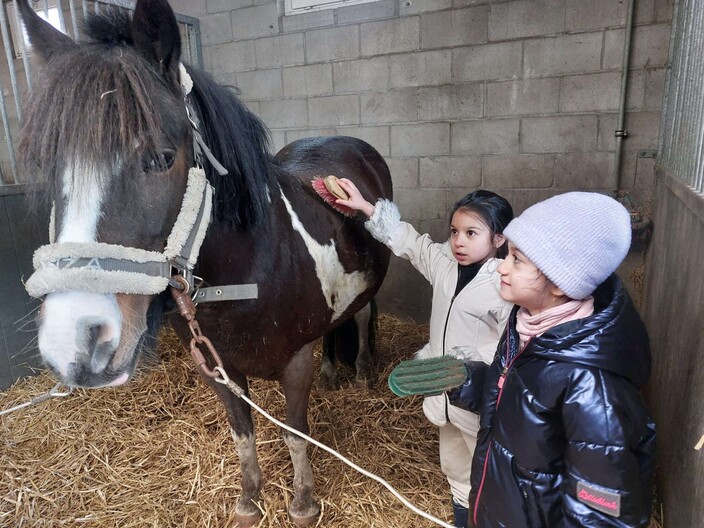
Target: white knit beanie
(576, 239)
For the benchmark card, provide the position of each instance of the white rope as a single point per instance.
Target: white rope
(237, 390)
(53, 393)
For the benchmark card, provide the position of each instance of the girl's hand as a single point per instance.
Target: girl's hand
(356, 201)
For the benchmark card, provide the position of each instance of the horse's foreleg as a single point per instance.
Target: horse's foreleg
(363, 363)
(296, 383)
(242, 428)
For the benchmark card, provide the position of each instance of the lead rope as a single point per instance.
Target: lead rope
(187, 309)
(53, 393)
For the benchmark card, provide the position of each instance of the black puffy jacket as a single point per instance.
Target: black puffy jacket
(567, 440)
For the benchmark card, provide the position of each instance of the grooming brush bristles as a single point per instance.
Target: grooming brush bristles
(329, 190)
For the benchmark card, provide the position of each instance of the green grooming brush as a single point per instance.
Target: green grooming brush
(428, 377)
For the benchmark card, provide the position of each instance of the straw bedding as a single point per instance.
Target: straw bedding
(158, 451)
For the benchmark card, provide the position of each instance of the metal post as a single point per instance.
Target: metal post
(74, 23)
(4, 27)
(22, 48)
(8, 139)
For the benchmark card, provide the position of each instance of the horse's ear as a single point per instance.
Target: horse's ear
(155, 33)
(45, 38)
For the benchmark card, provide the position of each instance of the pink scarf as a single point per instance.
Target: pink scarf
(534, 325)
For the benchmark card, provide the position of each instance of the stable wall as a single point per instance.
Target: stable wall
(520, 97)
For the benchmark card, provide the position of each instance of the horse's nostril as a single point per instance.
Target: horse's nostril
(97, 345)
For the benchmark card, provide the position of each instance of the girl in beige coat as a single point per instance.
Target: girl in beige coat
(467, 311)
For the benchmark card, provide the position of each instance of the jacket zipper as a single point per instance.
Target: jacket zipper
(444, 346)
(500, 385)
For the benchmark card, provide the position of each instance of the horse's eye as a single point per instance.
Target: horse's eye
(162, 162)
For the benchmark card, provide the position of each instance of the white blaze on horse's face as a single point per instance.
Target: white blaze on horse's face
(340, 289)
(79, 332)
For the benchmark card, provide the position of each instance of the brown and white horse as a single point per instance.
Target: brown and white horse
(107, 128)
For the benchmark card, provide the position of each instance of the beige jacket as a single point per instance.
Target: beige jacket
(476, 317)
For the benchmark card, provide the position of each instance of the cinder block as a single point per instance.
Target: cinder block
(562, 54)
(595, 14)
(519, 171)
(645, 172)
(255, 21)
(559, 134)
(487, 62)
(606, 139)
(260, 84)
(361, 75)
(315, 79)
(404, 172)
(334, 110)
(663, 10)
(613, 49)
(282, 50)
(332, 44)
(390, 36)
(527, 96)
(642, 129)
(285, 113)
(635, 96)
(377, 137)
(215, 29)
(278, 140)
(485, 136)
(650, 46)
(421, 69)
(389, 107)
(219, 6)
(293, 135)
(423, 6)
(526, 18)
(365, 12)
(421, 204)
(450, 103)
(521, 199)
(314, 19)
(464, 172)
(430, 139)
(230, 57)
(597, 92)
(458, 27)
(438, 228)
(189, 7)
(654, 88)
(584, 170)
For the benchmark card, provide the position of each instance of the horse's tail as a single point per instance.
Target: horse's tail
(342, 344)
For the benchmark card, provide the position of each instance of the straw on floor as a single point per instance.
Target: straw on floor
(158, 452)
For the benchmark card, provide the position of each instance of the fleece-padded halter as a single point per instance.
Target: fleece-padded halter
(111, 268)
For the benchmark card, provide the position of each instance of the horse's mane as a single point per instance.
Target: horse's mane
(103, 96)
(238, 140)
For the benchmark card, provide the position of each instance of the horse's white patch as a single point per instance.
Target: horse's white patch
(67, 318)
(340, 289)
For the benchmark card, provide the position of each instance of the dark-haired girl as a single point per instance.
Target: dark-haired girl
(467, 310)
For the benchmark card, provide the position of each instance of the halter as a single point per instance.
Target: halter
(101, 268)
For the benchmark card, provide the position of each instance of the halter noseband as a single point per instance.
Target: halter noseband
(111, 268)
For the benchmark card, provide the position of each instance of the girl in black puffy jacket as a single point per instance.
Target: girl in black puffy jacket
(565, 439)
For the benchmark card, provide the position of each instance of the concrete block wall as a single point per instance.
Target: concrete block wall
(518, 96)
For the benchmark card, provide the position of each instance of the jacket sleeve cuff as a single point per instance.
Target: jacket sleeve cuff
(385, 219)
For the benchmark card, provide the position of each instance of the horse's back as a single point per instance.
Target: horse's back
(342, 156)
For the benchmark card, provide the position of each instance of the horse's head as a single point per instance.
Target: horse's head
(106, 127)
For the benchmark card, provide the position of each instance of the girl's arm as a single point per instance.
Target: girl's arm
(386, 226)
(610, 442)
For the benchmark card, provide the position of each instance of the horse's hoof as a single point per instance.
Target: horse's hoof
(248, 520)
(364, 383)
(308, 520)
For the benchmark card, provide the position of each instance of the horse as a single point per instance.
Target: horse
(129, 142)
